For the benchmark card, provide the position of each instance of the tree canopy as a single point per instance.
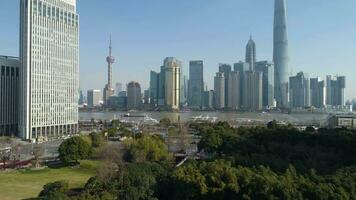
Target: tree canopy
(74, 149)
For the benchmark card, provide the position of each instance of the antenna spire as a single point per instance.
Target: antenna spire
(110, 47)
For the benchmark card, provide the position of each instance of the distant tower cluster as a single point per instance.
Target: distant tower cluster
(108, 90)
(166, 86)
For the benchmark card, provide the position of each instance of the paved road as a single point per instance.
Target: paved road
(50, 149)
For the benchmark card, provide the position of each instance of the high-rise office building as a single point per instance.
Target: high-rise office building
(252, 96)
(280, 53)
(226, 70)
(299, 91)
(253, 80)
(209, 99)
(49, 72)
(251, 53)
(172, 69)
(335, 90)
(329, 87)
(81, 100)
(162, 87)
(183, 89)
(94, 98)
(146, 96)
(9, 95)
(108, 90)
(241, 67)
(134, 96)
(154, 85)
(196, 84)
(234, 91)
(317, 93)
(118, 88)
(267, 68)
(219, 91)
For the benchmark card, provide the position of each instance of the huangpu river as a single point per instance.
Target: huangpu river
(303, 118)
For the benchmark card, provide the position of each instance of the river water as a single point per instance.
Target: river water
(232, 117)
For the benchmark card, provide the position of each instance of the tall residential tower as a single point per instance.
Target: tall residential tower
(280, 53)
(49, 68)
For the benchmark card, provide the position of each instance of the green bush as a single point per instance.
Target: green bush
(73, 150)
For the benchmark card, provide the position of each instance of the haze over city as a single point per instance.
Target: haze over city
(144, 33)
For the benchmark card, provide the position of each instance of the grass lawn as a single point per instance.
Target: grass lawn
(28, 183)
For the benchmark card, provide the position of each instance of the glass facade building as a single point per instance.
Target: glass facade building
(267, 68)
(9, 95)
(196, 84)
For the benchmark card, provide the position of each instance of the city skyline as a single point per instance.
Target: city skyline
(93, 73)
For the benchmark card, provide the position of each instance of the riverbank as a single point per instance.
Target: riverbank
(234, 118)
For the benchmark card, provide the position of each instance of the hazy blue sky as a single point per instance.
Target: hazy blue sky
(322, 35)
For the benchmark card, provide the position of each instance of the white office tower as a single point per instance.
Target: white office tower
(172, 71)
(49, 55)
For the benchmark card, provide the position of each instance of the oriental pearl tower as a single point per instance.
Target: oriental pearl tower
(108, 90)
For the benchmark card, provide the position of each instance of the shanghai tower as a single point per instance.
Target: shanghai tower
(280, 53)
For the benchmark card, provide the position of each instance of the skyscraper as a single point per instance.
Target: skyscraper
(134, 96)
(146, 97)
(226, 70)
(162, 86)
(94, 97)
(252, 91)
(317, 93)
(81, 100)
(280, 53)
(299, 91)
(335, 90)
(234, 91)
(209, 99)
(9, 95)
(49, 72)
(118, 88)
(251, 53)
(241, 67)
(196, 84)
(252, 96)
(219, 91)
(172, 69)
(267, 68)
(108, 90)
(154, 85)
(183, 88)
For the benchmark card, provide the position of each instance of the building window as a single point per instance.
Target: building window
(2, 70)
